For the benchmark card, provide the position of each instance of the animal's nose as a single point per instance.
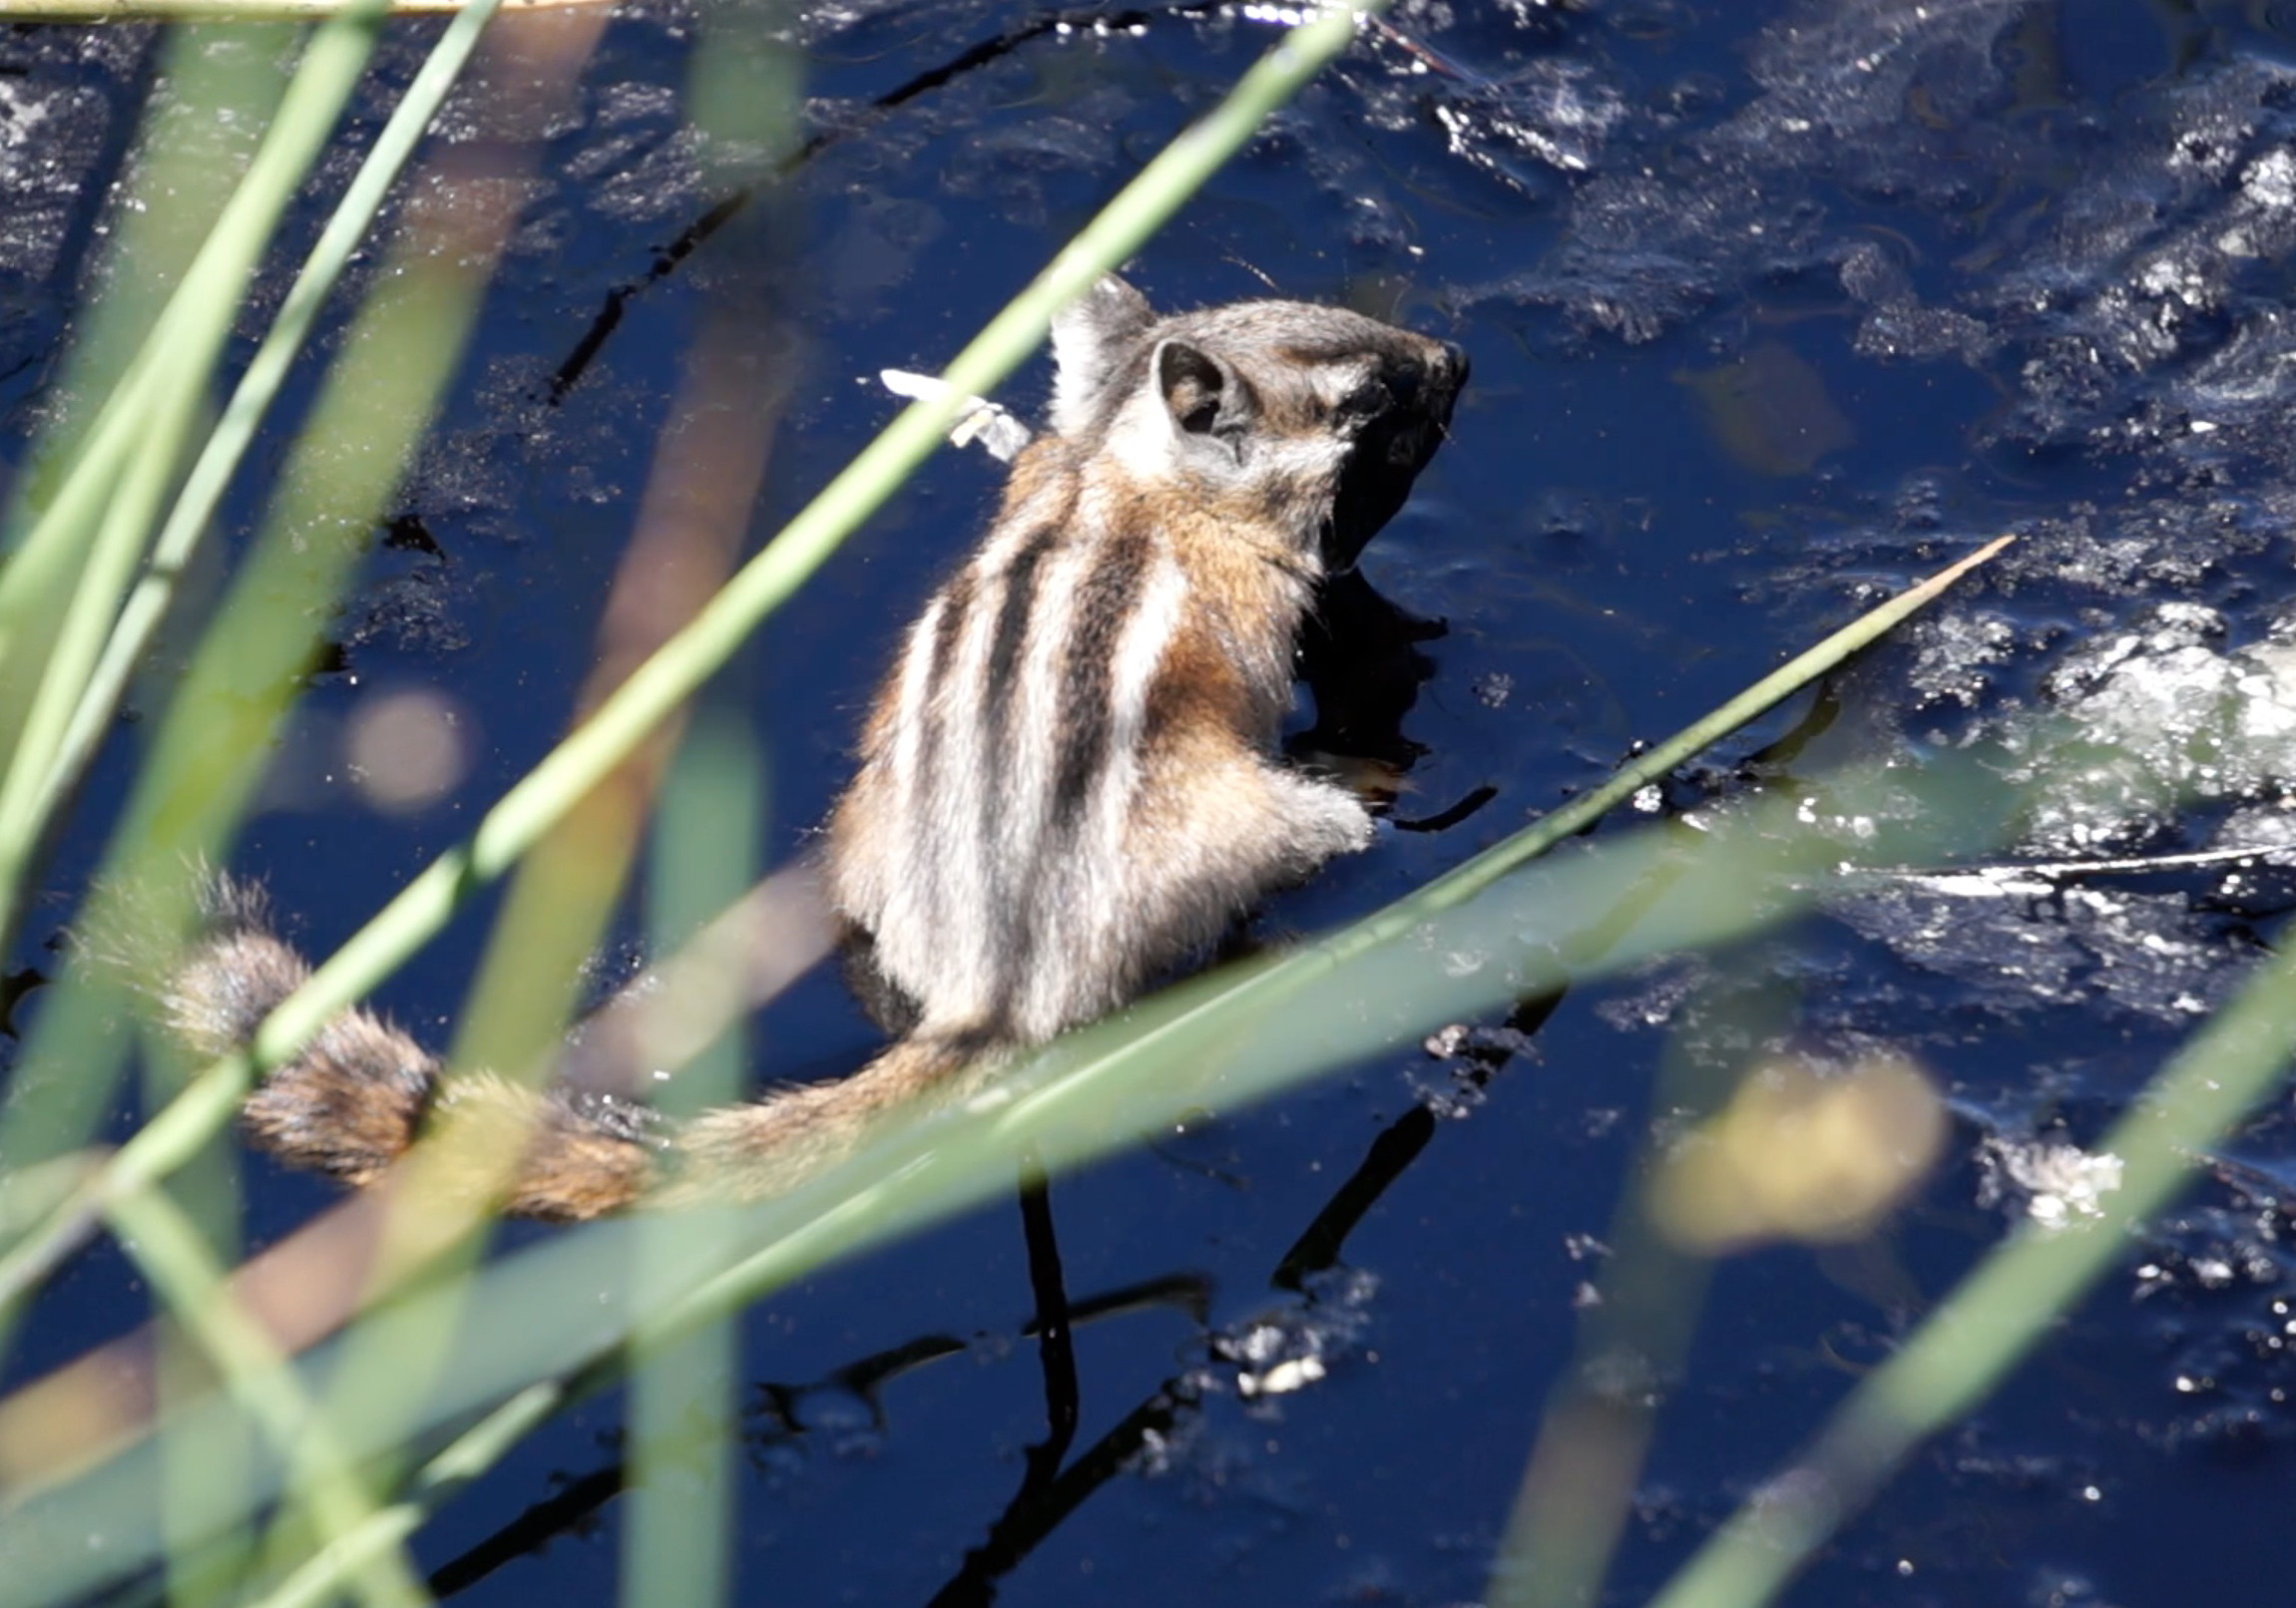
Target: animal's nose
(1445, 374)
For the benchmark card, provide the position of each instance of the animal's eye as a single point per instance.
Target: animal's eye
(1368, 400)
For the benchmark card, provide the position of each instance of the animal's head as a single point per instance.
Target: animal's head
(1316, 418)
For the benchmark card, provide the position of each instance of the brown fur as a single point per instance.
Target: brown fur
(1067, 786)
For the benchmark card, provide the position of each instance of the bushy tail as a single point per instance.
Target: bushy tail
(356, 1097)
(770, 1146)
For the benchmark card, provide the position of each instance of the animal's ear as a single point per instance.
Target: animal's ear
(1202, 393)
(1088, 335)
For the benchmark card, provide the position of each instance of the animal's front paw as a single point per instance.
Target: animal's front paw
(1330, 820)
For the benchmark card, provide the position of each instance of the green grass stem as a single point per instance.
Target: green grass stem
(478, 1449)
(378, 399)
(166, 421)
(685, 1398)
(1995, 1318)
(163, 1244)
(1586, 1461)
(1653, 764)
(657, 688)
(136, 343)
(1221, 1044)
(569, 1304)
(168, 373)
(177, 182)
(46, 1116)
(331, 68)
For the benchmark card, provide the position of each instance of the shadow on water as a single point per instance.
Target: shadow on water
(1052, 1485)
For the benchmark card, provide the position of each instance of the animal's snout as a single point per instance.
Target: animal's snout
(1428, 381)
(1454, 364)
(1446, 376)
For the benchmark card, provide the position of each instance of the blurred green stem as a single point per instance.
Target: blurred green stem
(1086, 1095)
(478, 1449)
(92, 530)
(388, 375)
(46, 1116)
(1635, 1336)
(168, 1250)
(1995, 1318)
(329, 68)
(200, 794)
(685, 1401)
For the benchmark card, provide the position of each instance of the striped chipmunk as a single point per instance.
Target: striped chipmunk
(1068, 785)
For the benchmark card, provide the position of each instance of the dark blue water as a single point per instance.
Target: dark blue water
(1770, 306)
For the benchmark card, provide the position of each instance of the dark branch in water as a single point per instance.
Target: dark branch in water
(1056, 1344)
(1049, 1493)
